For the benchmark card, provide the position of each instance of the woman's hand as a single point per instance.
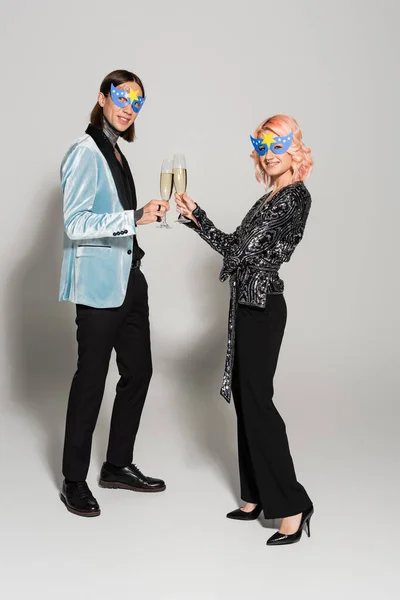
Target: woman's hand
(153, 210)
(185, 206)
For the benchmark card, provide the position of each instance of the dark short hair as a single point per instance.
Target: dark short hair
(116, 77)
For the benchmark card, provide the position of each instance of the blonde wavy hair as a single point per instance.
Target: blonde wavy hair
(302, 164)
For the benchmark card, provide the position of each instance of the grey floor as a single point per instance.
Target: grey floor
(179, 545)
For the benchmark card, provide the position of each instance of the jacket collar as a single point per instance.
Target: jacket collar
(128, 176)
(122, 176)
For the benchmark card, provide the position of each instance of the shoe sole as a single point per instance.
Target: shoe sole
(283, 543)
(77, 512)
(241, 519)
(114, 485)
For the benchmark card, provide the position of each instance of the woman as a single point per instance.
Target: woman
(252, 256)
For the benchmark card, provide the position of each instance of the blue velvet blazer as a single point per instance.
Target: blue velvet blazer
(99, 223)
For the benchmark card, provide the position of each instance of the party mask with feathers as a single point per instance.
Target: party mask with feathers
(278, 144)
(123, 98)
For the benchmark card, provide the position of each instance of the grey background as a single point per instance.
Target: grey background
(212, 71)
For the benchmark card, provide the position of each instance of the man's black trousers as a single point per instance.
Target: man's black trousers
(99, 330)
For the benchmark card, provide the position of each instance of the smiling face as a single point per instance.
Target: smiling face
(275, 163)
(120, 117)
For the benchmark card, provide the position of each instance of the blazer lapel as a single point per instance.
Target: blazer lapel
(107, 151)
(129, 179)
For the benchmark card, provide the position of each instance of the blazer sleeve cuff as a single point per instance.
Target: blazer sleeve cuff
(130, 214)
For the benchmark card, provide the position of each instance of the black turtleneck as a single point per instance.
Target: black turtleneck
(110, 131)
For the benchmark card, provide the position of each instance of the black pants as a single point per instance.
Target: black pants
(267, 474)
(99, 330)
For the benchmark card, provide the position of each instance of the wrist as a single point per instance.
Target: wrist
(138, 215)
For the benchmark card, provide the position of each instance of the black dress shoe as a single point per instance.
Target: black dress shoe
(129, 478)
(240, 515)
(78, 499)
(281, 539)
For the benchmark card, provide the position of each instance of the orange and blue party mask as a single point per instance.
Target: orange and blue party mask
(278, 144)
(122, 98)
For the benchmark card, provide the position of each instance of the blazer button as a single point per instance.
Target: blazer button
(126, 231)
(129, 251)
(115, 233)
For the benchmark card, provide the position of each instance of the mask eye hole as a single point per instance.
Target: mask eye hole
(278, 147)
(261, 149)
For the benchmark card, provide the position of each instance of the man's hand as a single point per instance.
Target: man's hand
(153, 210)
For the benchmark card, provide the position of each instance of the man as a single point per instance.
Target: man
(101, 275)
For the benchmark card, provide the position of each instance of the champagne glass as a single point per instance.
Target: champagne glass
(180, 180)
(166, 184)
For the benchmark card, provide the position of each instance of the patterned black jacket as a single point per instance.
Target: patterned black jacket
(253, 254)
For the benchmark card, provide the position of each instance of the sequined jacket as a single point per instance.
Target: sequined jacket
(254, 252)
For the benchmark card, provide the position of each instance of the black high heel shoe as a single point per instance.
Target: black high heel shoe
(240, 515)
(281, 539)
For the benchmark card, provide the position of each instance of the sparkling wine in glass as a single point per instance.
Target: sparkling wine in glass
(180, 180)
(166, 184)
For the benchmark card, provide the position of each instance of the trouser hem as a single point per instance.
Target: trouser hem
(250, 501)
(281, 514)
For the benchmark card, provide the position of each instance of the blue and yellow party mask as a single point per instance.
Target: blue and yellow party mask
(277, 144)
(122, 98)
